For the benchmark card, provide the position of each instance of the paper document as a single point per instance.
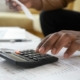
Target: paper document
(64, 69)
(16, 34)
(11, 33)
(25, 9)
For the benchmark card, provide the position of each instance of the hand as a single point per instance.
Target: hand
(56, 41)
(16, 7)
(37, 4)
(13, 5)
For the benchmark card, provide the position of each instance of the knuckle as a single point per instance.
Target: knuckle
(76, 43)
(75, 46)
(57, 34)
(63, 30)
(67, 35)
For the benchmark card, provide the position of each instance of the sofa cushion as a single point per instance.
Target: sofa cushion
(15, 19)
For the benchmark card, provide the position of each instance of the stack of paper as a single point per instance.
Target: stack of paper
(12, 33)
(64, 69)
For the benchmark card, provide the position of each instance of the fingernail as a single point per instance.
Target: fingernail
(54, 51)
(65, 55)
(41, 50)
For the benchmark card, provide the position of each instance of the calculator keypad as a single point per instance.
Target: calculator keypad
(27, 58)
(32, 55)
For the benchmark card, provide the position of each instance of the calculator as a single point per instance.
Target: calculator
(26, 58)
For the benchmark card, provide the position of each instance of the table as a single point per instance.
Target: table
(61, 70)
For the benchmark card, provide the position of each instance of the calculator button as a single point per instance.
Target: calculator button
(24, 52)
(32, 50)
(26, 55)
(21, 53)
(8, 52)
(39, 58)
(34, 56)
(35, 59)
(29, 52)
(0, 51)
(30, 56)
(38, 55)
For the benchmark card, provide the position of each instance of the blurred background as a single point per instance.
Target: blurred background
(10, 17)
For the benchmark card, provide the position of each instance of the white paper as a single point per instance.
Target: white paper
(9, 33)
(25, 9)
(64, 69)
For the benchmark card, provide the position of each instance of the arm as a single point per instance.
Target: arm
(41, 4)
(51, 4)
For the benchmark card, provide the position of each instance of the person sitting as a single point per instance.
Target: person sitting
(60, 27)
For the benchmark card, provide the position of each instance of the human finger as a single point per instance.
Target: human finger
(14, 6)
(72, 48)
(41, 43)
(61, 42)
(47, 45)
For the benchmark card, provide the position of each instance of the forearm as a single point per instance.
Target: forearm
(50, 4)
(37, 4)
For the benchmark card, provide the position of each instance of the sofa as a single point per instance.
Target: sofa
(11, 18)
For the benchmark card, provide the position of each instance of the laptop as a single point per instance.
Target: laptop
(12, 33)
